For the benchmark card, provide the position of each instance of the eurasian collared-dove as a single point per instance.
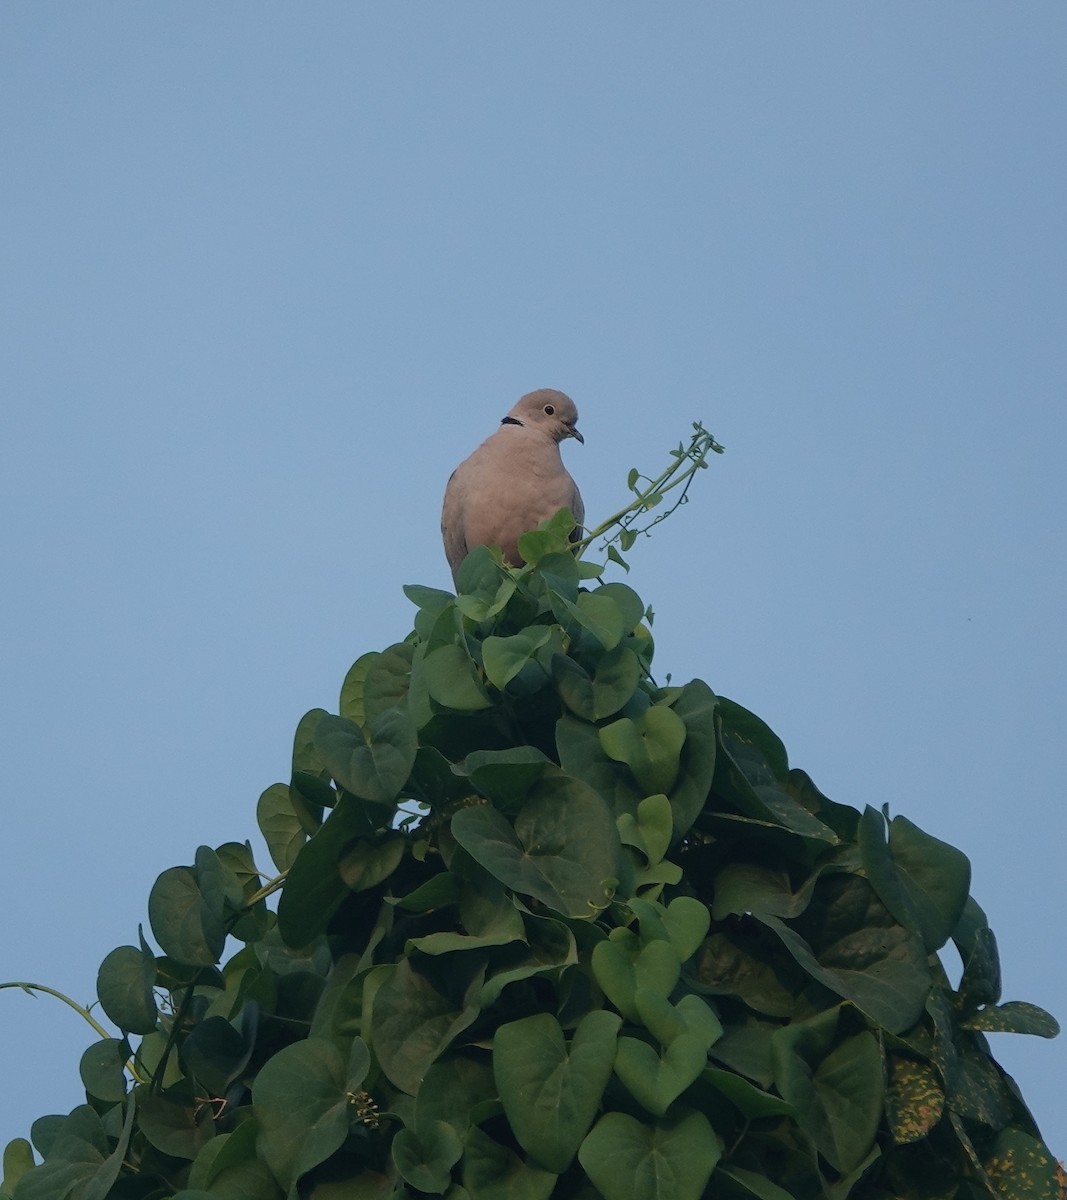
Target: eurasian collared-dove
(513, 481)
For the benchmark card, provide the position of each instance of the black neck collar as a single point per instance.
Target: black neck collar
(510, 421)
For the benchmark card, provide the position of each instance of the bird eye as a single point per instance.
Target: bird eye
(549, 410)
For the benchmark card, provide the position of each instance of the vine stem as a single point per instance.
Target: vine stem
(32, 988)
(268, 889)
(700, 447)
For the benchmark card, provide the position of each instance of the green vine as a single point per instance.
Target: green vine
(546, 929)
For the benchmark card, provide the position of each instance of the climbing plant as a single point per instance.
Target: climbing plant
(546, 928)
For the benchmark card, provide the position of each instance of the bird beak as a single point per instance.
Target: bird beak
(572, 431)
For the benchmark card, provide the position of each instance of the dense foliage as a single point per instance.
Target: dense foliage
(549, 929)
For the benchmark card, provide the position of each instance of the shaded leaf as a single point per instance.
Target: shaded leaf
(314, 889)
(551, 1089)
(373, 763)
(453, 680)
(650, 746)
(1014, 1017)
(173, 1121)
(413, 1023)
(915, 1100)
(504, 657)
(669, 1160)
(563, 848)
(124, 985)
(425, 1156)
(302, 1098)
(922, 881)
(492, 1172)
(188, 927)
(102, 1070)
(281, 827)
(1021, 1167)
(834, 1085)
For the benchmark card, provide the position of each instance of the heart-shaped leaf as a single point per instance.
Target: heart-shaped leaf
(666, 1021)
(452, 679)
(563, 848)
(657, 1080)
(373, 764)
(504, 657)
(670, 1160)
(651, 830)
(650, 746)
(425, 1157)
(620, 971)
(302, 1104)
(551, 1090)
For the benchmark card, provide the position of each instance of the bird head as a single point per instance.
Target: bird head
(552, 413)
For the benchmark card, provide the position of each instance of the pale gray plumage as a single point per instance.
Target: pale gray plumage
(513, 481)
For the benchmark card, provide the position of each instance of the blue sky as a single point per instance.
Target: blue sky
(271, 270)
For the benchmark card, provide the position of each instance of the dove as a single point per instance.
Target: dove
(513, 481)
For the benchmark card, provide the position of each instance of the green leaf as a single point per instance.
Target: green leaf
(650, 746)
(657, 1079)
(78, 1162)
(551, 947)
(551, 1090)
(413, 1022)
(596, 613)
(425, 1156)
(977, 947)
(504, 657)
(452, 679)
(124, 985)
(314, 889)
(1014, 1017)
(696, 705)
(368, 863)
(386, 683)
(173, 1121)
(669, 1160)
(302, 1104)
(582, 756)
(915, 1099)
(621, 971)
(550, 537)
(732, 964)
(374, 763)
(618, 674)
(834, 1085)
(188, 927)
(281, 827)
(563, 848)
(351, 705)
(922, 881)
(102, 1070)
(215, 1054)
(652, 828)
(452, 1090)
(1022, 1168)
(745, 1097)
(494, 1172)
(18, 1159)
(505, 776)
(752, 771)
(629, 604)
(849, 943)
(749, 1183)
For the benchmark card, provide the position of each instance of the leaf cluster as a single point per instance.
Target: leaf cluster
(549, 929)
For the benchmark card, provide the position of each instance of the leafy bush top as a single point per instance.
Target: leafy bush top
(549, 929)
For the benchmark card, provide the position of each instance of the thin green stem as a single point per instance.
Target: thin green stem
(32, 988)
(268, 889)
(687, 461)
